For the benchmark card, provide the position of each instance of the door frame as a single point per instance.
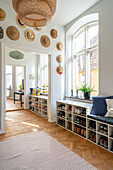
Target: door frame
(2, 87)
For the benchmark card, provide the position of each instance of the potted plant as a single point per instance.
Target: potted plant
(20, 87)
(86, 90)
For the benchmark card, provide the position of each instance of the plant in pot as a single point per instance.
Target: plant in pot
(20, 87)
(86, 90)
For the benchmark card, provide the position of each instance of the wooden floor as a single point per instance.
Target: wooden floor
(23, 122)
(10, 105)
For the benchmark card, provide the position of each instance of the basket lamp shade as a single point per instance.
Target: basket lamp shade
(35, 13)
(16, 55)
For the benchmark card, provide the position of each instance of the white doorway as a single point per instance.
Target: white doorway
(3, 53)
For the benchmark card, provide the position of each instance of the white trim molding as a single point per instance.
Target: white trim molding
(2, 132)
(2, 88)
(50, 97)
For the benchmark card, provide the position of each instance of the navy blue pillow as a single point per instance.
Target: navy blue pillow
(100, 106)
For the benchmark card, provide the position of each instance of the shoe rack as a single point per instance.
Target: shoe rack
(38, 105)
(103, 133)
(73, 117)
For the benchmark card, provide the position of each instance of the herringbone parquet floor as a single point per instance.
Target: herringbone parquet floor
(23, 122)
(10, 106)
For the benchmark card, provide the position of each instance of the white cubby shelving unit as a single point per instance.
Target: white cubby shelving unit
(73, 116)
(39, 105)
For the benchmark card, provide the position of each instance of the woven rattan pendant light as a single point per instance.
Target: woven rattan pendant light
(35, 13)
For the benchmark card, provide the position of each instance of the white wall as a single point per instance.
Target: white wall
(35, 46)
(105, 10)
(30, 63)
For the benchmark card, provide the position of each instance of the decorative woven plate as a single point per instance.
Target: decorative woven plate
(30, 35)
(45, 41)
(59, 46)
(13, 33)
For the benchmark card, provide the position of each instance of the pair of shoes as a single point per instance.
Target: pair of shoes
(93, 136)
(104, 142)
(80, 131)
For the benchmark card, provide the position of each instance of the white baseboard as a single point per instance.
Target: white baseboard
(52, 121)
(2, 132)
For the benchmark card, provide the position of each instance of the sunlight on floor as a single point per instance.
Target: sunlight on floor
(30, 124)
(9, 119)
(10, 105)
(25, 123)
(35, 130)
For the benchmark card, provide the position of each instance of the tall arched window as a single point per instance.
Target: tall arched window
(86, 58)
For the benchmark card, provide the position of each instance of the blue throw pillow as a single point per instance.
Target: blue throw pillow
(100, 106)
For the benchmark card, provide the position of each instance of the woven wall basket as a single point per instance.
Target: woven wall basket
(13, 33)
(17, 55)
(2, 14)
(35, 13)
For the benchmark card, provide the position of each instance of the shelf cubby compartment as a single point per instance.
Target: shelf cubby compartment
(102, 128)
(33, 109)
(33, 99)
(61, 122)
(44, 102)
(61, 114)
(69, 125)
(36, 105)
(102, 141)
(61, 106)
(91, 125)
(69, 108)
(30, 107)
(81, 131)
(111, 132)
(69, 117)
(36, 110)
(91, 135)
(39, 112)
(30, 98)
(44, 108)
(80, 111)
(36, 100)
(39, 106)
(111, 145)
(79, 121)
(39, 101)
(30, 102)
(44, 114)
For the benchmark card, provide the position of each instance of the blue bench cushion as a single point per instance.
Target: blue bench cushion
(108, 120)
(100, 106)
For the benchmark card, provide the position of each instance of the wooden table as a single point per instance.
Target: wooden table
(19, 93)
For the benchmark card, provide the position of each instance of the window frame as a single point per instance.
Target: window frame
(9, 74)
(44, 66)
(18, 74)
(86, 51)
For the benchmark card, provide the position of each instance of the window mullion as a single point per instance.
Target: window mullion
(74, 76)
(86, 38)
(88, 68)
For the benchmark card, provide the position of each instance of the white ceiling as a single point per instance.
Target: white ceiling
(67, 10)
